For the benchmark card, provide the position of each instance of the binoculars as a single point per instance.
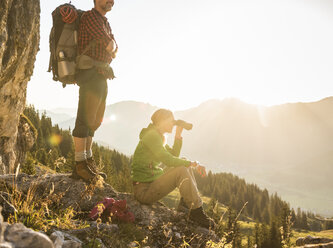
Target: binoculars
(184, 124)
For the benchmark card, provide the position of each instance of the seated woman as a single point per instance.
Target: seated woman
(151, 183)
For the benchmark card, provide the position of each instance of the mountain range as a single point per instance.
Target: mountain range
(285, 148)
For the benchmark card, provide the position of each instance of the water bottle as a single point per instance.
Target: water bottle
(63, 69)
(61, 55)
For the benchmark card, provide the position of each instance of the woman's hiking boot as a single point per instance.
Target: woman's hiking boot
(81, 170)
(93, 167)
(182, 207)
(199, 216)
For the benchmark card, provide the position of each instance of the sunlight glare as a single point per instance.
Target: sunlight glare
(262, 115)
(55, 139)
(113, 117)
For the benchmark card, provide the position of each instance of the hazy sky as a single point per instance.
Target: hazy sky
(179, 53)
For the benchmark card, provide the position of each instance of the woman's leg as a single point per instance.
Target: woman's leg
(180, 177)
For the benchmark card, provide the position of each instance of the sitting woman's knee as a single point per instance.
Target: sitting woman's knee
(182, 170)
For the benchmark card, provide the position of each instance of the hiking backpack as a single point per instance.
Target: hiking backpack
(64, 43)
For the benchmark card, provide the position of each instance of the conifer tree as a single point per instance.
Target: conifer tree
(286, 223)
(304, 221)
(249, 242)
(28, 166)
(257, 235)
(274, 240)
(293, 217)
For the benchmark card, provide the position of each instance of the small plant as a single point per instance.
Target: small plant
(96, 183)
(221, 244)
(26, 211)
(29, 164)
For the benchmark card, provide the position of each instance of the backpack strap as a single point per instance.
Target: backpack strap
(51, 49)
(90, 45)
(52, 55)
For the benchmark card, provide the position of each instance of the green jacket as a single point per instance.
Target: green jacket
(150, 153)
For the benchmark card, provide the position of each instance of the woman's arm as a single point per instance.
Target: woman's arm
(154, 143)
(177, 145)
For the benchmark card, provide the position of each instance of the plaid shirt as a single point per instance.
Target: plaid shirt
(94, 26)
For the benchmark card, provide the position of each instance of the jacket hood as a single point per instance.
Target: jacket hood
(145, 130)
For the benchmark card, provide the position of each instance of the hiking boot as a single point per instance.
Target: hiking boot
(199, 216)
(74, 175)
(182, 207)
(92, 166)
(82, 171)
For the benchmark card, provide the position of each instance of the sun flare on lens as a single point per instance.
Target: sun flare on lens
(109, 119)
(55, 139)
(113, 117)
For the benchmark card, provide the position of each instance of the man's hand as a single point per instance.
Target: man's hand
(179, 131)
(112, 49)
(114, 53)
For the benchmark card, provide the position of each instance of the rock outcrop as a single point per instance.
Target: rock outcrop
(157, 225)
(18, 236)
(314, 242)
(19, 42)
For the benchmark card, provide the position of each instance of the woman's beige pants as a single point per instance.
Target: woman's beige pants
(180, 177)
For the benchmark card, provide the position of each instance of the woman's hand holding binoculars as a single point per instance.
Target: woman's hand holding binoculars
(179, 131)
(181, 125)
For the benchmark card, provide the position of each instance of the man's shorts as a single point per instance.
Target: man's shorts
(92, 84)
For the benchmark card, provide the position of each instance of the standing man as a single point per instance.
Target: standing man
(96, 41)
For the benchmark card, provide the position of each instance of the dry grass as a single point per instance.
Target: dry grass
(40, 213)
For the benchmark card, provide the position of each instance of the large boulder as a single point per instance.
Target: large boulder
(314, 242)
(19, 236)
(324, 245)
(19, 43)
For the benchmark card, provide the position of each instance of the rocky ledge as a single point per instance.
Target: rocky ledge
(154, 226)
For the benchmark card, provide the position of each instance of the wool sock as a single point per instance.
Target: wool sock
(89, 153)
(80, 156)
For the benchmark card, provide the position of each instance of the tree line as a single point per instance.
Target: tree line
(234, 192)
